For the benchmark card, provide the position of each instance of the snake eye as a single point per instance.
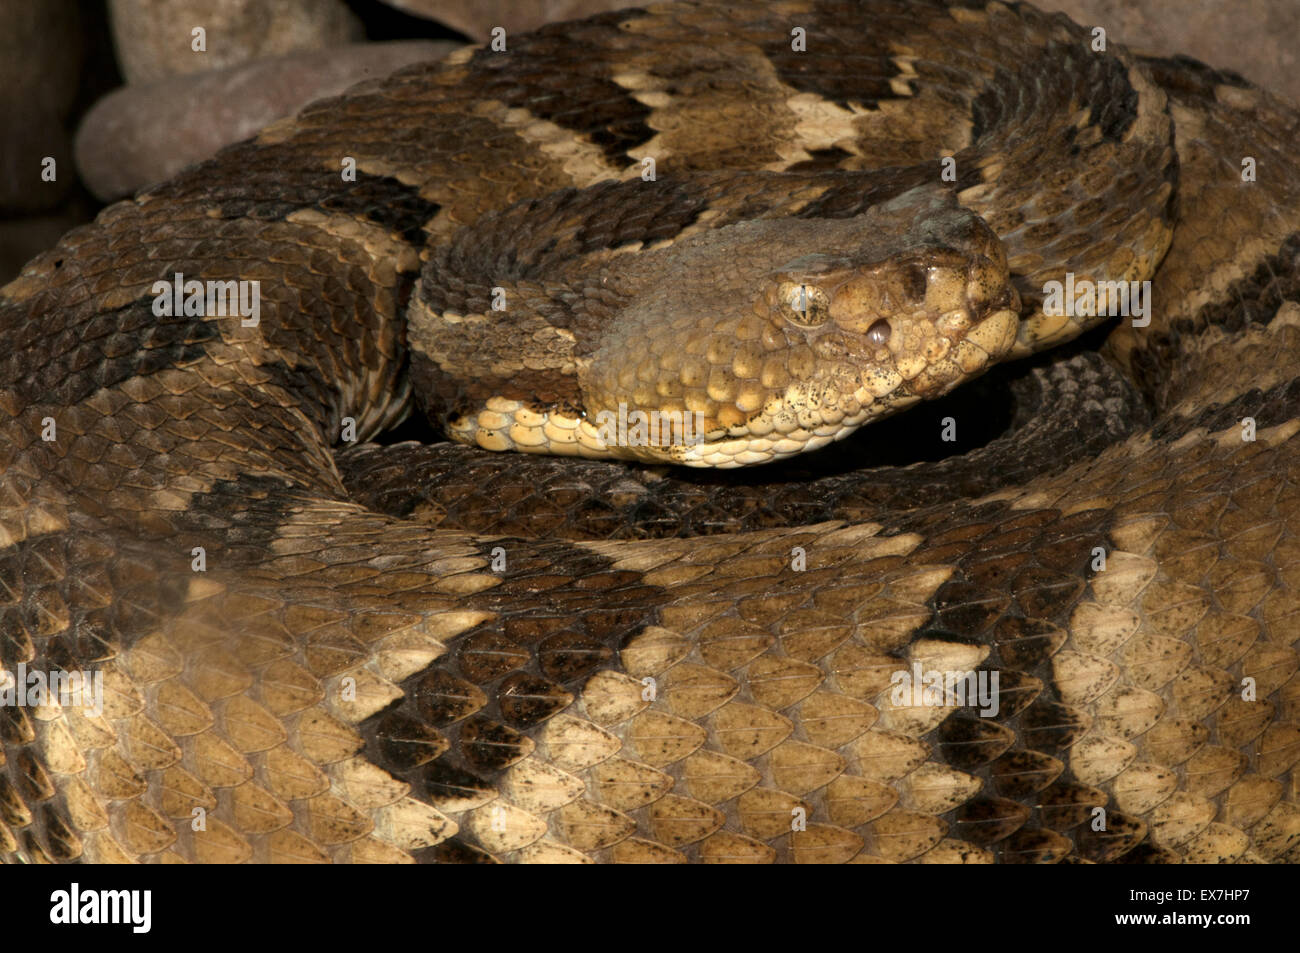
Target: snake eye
(804, 304)
(878, 333)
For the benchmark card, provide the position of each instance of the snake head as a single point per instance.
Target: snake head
(897, 305)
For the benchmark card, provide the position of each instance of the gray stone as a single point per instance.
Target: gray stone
(476, 18)
(154, 38)
(137, 135)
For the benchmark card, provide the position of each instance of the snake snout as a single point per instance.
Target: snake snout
(916, 325)
(932, 285)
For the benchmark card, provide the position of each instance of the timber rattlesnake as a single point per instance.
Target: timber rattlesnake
(638, 665)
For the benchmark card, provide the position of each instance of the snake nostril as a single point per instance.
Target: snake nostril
(915, 278)
(878, 333)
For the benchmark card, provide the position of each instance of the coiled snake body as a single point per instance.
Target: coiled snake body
(438, 653)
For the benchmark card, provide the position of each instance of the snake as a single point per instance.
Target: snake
(969, 534)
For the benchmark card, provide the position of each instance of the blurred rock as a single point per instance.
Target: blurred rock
(40, 60)
(1256, 39)
(137, 135)
(476, 18)
(153, 37)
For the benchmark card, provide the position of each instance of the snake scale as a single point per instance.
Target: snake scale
(313, 648)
